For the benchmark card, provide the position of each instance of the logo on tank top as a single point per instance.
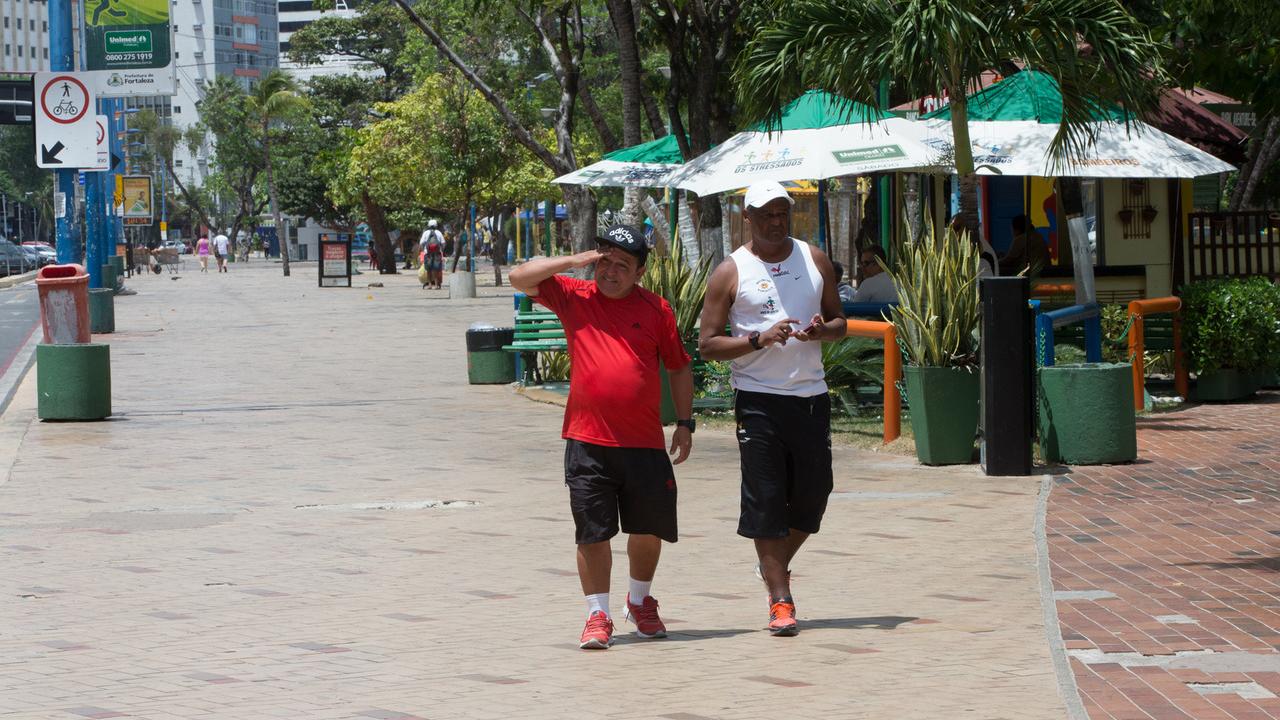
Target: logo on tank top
(779, 271)
(769, 307)
(764, 286)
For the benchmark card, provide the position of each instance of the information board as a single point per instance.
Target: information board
(335, 260)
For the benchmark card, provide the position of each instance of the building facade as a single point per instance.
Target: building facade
(24, 34)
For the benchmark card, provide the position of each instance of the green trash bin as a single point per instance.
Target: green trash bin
(1086, 413)
(117, 262)
(73, 382)
(110, 279)
(487, 363)
(102, 310)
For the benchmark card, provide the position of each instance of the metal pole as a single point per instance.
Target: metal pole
(549, 212)
(823, 241)
(4, 203)
(62, 58)
(471, 241)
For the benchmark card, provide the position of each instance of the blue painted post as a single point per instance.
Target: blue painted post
(823, 241)
(62, 58)
(1044, 339)
(1093, 337)
(471, 241)
(114, 110)
(93, 225)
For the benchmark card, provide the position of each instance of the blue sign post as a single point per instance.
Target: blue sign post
(62, 58)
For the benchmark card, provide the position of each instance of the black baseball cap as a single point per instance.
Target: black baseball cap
(627, 238)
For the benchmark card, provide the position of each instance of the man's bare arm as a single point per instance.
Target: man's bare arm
(527, 277)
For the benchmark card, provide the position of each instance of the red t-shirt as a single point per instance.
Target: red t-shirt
(614, 346)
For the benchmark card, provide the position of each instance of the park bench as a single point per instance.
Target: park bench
(536, 331)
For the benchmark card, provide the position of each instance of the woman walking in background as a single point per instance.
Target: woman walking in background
(202, 250)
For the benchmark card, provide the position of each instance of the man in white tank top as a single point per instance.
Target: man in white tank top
(779, 295)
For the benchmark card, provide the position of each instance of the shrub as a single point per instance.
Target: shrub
(1232, 324)
(937, 312)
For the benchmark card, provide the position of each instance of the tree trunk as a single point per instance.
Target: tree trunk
(1262, 153)
(622, 14)
(275, 206)
(963, 158)
(581, 206)
(377, 218)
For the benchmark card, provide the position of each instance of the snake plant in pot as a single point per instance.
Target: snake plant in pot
(937, 323)
(684, 286)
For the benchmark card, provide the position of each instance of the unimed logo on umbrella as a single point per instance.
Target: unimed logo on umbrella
(870, 154)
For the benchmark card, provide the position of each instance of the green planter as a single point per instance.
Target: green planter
(944, 413)
(73, 382)
(1226, 385)
(1086, 413)
(667, 408)
(102, 310)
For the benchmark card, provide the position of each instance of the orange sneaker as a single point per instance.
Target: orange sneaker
(782, 618)
(645, 617)
(598, 634)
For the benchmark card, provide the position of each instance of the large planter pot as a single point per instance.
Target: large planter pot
(944, 413)
(1086, 413)
(667, 408)
(1226, 385)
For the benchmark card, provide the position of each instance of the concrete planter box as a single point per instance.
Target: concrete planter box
(1086, 413)
(1227, 385)
(73, 382)
(944, 413)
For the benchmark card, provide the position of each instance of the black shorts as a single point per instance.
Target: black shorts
(784, 443)
(604, 483)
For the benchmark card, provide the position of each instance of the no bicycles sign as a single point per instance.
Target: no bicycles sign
(66, 127)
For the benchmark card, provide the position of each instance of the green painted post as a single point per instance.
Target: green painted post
(886, 186)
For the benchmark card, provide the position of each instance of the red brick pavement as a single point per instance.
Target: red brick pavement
(1188, 541)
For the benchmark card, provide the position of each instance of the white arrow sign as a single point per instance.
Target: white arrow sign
(66, 127)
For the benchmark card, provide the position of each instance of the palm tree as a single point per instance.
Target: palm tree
(1100, 55)
(275, 97)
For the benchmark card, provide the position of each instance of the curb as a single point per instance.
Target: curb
(10, 281)
(1052, 630)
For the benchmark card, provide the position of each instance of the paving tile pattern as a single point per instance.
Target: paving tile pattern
(230, 566)
(1185, 547)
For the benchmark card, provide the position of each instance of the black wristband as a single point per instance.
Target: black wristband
(754, 338)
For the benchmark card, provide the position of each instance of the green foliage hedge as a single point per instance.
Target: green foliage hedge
(1232, 324)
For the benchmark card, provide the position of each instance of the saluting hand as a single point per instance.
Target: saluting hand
(585, 258)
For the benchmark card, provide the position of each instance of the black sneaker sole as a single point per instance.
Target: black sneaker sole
(785, 632)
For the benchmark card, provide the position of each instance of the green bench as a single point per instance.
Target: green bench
(536, 331)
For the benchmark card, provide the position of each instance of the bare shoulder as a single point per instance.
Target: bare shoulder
(819, 257)
(724, 277)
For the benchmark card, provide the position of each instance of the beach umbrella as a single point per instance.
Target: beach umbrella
(1013, 122)
(820, 136)
(645, 165)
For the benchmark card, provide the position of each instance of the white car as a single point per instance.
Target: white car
(178, 245)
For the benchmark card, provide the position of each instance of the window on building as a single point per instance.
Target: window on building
(6, 49)
(46, 53)
(44, 26)
(6, 22)
(177, 109)
(177, 163)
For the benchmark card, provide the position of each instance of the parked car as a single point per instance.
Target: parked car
(45, 249)
(33, 255)
(13, 261)
(178, 245)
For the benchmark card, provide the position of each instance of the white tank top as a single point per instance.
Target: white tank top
(767, 293)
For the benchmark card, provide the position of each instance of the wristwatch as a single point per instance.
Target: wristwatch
(690, 423)
(754, 338)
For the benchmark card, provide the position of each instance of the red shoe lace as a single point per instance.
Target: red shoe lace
(599, 622)
(646, 611)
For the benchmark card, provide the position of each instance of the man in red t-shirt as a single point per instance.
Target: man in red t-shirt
(614, 462)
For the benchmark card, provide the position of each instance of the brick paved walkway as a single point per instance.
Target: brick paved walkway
(1166, 570)
(225, 547)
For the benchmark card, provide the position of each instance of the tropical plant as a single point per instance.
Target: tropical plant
(853, 361)
(937, 312)
(275, 97)
(942, 47)
(682, 285)
(1232, 324)
(554, 366)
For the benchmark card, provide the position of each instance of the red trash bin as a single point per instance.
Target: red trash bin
(64, 304)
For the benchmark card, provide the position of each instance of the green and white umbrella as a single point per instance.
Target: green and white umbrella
(820, 136)
(645, 165)
(1013, 122)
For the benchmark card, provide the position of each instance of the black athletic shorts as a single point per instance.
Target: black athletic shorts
(604, 483)
(784, 443)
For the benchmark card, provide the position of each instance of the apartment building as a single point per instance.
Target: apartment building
(24, 34)
(297, 14)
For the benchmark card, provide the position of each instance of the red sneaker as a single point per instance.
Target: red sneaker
(598, 634)
(645, 617)
(782, 618)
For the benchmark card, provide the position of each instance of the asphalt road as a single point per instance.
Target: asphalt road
(19, 324)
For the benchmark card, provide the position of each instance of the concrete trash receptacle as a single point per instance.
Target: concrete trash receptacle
(1086, 413)
(462, 285)
(73, 382)
(487, 362)
(64, 304)
(109, 277)
(102, 310)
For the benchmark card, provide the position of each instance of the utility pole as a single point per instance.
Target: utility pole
(61, 58)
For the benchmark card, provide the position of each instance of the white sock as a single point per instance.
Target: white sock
(598, 603)
(639, 590)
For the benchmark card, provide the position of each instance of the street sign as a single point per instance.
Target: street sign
(136, 191)
(104, 144)
(335, 260)
(66, 127)
(129, 43)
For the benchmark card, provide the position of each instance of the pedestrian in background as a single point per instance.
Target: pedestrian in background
(221, 246)
(202, 252)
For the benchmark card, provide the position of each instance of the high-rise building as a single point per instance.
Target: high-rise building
(24, 33)
(297, 14)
